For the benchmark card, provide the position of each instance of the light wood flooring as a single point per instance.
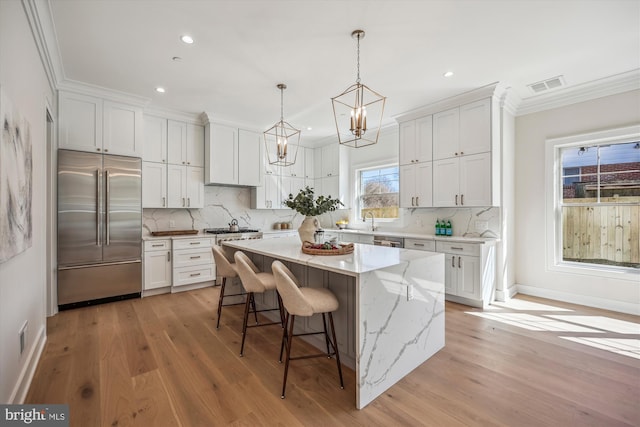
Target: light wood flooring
(159, 361)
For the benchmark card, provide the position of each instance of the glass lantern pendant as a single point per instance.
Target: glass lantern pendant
(281, 140)
(358, 102)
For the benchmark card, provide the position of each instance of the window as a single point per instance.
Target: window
(597, 201)
(378, 192)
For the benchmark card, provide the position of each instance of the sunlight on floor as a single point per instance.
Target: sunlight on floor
(605, 333)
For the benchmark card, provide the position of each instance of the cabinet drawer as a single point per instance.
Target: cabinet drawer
(419, 244)
(458, 248)
(191, 243)
(157, 245)
(191, 257)
(188, 275)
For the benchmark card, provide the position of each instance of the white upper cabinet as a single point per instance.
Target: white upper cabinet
(446, 134)
(463, 130)
(88, 123)
(195, 145)
(475, 127)
(416, 185)
(123, 129)
(298, 168)
(416, 140)
(195, 187)
(177, 142)
(309, 163)
(330, 160)
(249, 171)
(154, 185)
(463, 181)
(155, 139)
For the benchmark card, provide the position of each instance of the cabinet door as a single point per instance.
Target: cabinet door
(475, 127)
(176, 186)
(80, 125)
(123, 129)
(331, 187)
(424, 184)
(154, 185)
(272, 191)
(249, 158)
(155, 139)
(297, 169)
(157, 269)
(330, 160)
(195, 145)
(407, 186)
(424, 139)
(223, 155)
(177, 142)
(195, 187)
(317, 162)
(309, 163)
(446, 134)
(450, 274)
(343, 287)
(446, 182)
(475, 180)
(408, 142)
(468, 277)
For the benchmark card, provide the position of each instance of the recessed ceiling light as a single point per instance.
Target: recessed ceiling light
(160, 89)
(448, 74)
(187, 39)
(309, 128)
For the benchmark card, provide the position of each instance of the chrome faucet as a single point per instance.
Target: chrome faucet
(364, 218)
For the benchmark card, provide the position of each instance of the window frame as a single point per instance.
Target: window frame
(553, 208)
(357, 185)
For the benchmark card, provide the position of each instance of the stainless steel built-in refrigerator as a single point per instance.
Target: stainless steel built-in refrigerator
(99, 227)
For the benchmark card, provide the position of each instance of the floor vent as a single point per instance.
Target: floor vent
(545, 85)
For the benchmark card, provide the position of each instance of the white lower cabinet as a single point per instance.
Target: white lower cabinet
(469, 274)
(193, 263)
(157, 265)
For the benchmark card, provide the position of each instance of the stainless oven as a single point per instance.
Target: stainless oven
(225, 235)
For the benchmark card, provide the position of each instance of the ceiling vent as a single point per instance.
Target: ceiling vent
(545, 85)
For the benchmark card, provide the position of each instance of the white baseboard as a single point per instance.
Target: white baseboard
(29, 368)
(606, 304)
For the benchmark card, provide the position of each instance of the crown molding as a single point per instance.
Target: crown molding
(40, 20)
(611, 85)
(102, 92)
(168, 113)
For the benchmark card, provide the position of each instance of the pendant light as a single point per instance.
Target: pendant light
(356, 109)
(281, 140)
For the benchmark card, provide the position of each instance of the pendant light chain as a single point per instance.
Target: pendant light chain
(281, 104)
(358, 79)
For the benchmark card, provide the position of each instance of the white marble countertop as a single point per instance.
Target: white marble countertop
(365, 258)
(405, 235)
(181, 236)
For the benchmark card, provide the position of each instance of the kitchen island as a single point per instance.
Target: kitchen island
(391, 315)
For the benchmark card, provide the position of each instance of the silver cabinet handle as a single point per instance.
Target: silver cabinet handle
(189, 201)
(194, 243)
(459, 262)
(456, 248)
(106, 150)
(195, 257)
(462, 199)
(158, 245)
(418, 244)
(164, 202)
(97, 149)
(169, 256)
(106, 208)
(194, 274)
(417, 201)
(453, 261)
(183, 202)
(412, 203)
(456, 200)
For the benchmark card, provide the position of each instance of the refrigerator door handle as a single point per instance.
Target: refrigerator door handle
(106, 207)
(98, 242)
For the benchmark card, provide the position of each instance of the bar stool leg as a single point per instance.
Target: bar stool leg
(284, 337)
(253, 306)
(244, 323)
(335, 347)
(286, 363)
(326, 335)
(224, 282)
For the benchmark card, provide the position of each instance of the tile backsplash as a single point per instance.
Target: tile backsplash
(222, 204)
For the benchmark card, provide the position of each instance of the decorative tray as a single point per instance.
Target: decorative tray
(173, 232)
(337, 249)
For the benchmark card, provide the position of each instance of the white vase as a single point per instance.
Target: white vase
(308, 228)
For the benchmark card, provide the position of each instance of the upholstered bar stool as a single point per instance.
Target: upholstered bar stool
(227, 270)
(305, 302)
(254, 282)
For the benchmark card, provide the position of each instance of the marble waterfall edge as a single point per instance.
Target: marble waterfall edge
(401, 322)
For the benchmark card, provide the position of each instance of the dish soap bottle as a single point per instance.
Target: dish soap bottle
(449, 229)
(437, 227)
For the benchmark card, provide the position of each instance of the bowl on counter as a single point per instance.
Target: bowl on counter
(341, 226)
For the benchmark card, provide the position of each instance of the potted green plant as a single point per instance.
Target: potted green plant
(304, 203)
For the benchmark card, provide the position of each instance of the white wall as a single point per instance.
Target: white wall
(22, 278)
(532, 275)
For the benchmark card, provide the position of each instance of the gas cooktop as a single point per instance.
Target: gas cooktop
(227, 231)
